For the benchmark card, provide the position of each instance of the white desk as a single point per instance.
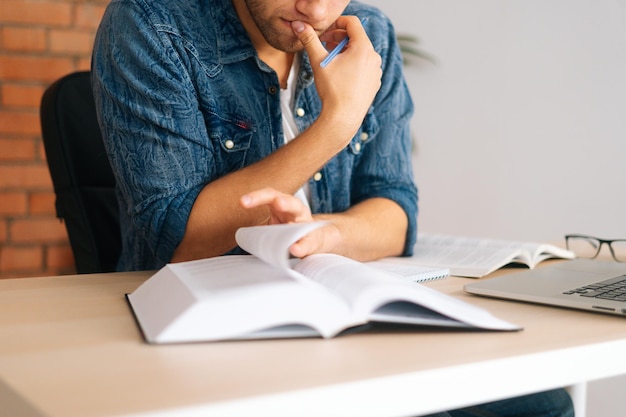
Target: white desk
(69, 347)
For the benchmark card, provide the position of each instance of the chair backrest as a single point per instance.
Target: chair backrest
(81, 174)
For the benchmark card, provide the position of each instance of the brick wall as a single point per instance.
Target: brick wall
(40, 40)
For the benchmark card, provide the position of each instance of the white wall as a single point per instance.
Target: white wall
(521, 124)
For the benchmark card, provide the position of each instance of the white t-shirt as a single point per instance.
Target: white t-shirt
(289, 123)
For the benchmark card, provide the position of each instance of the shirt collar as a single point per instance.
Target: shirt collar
(234, 45)
(232, 41)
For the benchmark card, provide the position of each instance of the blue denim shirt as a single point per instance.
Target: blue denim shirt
(183, 99)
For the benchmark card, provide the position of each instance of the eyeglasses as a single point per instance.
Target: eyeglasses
(589, 247)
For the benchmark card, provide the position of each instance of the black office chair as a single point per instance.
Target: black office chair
(81, 174)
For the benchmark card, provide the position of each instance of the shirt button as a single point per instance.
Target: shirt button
(357, 147)
(300, 111)
(229, 144)
(364, 136)
(317, 176)
(272, 89)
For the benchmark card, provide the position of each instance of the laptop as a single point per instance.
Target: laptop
(583, 284)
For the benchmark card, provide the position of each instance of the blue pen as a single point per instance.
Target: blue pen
(338, 48)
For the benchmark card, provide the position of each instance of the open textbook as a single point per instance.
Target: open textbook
(477, 257)
(272, 295)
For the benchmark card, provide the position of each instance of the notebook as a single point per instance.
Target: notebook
(572, 284)
(410, 271)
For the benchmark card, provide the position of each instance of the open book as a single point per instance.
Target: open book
(272, 295)
(477, 257)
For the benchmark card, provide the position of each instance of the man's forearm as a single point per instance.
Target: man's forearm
(373, 229)
(217, 213)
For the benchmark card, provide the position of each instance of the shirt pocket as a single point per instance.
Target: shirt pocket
(231, 142)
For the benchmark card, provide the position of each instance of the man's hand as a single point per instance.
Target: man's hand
(285, 208)
(347, 85)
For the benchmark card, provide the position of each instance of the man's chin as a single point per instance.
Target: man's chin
(291, 48)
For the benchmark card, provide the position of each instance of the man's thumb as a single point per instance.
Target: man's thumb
(310, 40)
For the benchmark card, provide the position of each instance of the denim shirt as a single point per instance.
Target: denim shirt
(183, 99)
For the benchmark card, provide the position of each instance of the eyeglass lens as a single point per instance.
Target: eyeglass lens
(589, 247)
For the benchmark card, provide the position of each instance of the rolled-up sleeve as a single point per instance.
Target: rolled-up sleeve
(385, 169)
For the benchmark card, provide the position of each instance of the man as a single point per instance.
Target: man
(189, 100)
(217, 114)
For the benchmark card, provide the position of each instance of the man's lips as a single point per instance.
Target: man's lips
(288, 22)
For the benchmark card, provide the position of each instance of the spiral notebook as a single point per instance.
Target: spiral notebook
(410, 271)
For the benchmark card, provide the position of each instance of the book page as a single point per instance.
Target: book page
(271, 243)
(541, 252)
(350, 279)
(227, 273)
(443, 250)
(476, 257)
(379, 295)
(229, 297)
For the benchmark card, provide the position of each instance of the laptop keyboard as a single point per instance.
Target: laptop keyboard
(610, 289)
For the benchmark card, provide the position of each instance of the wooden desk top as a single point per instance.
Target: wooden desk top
(69, 347)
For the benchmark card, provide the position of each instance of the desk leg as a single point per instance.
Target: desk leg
(578, 393)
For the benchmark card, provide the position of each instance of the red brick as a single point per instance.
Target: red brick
(17, 150)
(36, 12)
(13, 203)
(41, 152)
(71, 41)
(59, 258)
(34, 68)
(42, 203)
(30, 176)
(84, 64)
(37, 230)
(23, 39)
(19, 95)
(88, 16)
(40, 41)
(20, 122)
(26, 258)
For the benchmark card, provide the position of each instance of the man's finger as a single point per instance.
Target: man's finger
(259, 197)
(312, 44)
